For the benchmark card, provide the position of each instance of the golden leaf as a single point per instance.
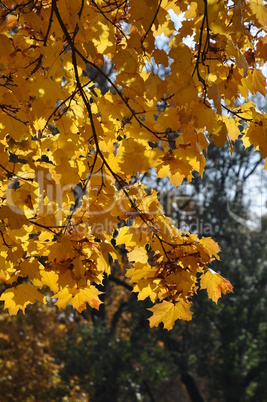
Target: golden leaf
(215, 285)
(19, 297)
(168, 313)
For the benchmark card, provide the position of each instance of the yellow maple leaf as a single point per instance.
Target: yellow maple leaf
(15, 216)
(124, 237)
(209, 246)
(139, 254)
(148, 287)
(31, 268)
(140, 271)
(63, 297)
(215, 285)
(19, 297)
(168, 313)
(50, 278)
(39, 124)
(232, 127)
(87, 295)
(78, 298)
(62, 250)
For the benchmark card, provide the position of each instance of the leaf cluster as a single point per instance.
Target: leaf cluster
(69, 150)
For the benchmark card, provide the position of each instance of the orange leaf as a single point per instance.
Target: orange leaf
(215, 285)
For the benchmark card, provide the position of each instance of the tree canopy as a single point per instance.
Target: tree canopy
(84, 114)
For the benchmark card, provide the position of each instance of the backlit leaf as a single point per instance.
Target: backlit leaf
(215, 285)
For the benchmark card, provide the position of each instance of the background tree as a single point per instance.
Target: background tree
(235, 331)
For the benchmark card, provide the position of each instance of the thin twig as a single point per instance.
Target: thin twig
(150, 26)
